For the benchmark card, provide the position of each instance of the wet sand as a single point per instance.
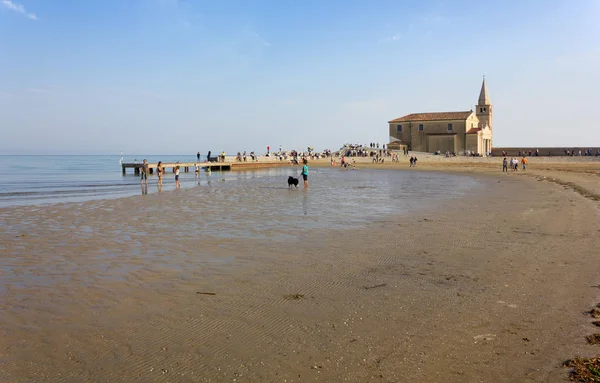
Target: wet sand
(491, 287)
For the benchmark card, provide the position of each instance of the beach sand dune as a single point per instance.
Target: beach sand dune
(491, 287)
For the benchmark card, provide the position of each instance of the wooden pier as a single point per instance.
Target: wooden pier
(186, 166)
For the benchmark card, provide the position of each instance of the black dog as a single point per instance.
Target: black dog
(292, 181)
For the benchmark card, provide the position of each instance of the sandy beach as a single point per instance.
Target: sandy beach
(490, 287)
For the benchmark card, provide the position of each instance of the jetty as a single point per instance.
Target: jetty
(207, 166)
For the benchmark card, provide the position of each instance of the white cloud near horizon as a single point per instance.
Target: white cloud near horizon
(19, 8)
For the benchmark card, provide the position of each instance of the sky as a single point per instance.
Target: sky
(181, 76)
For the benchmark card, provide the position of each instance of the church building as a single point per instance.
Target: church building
(455, 132)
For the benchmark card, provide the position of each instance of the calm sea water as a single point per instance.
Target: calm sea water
(50, 179)
(35, 180)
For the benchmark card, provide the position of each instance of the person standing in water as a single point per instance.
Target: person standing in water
(198, 156)
(159, 172)
(305, 173)
(177, 183)
(144, 173)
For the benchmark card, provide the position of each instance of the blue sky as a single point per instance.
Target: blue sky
(168, 76)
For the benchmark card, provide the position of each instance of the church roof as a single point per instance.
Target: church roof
(473, 130)
(435, 116)
(484, 98)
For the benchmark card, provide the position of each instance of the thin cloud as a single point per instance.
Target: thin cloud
(40, 90)
(262, 41)
(19, 8)
(183, 12)
(427, 25)
(392, 38)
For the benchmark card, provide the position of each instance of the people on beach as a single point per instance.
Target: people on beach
(514, 164)
(144, 173)
(305, 173)
(160, 170)
(524, 162)
(177, 183)
(504, 165)
(198, 156)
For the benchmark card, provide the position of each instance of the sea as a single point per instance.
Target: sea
(334, 193)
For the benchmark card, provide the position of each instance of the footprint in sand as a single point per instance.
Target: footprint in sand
(484, 337)
(511, 305)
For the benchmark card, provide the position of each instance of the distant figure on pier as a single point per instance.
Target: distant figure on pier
(223, 156)
(208, 157)
(144, 173)
(198, 156)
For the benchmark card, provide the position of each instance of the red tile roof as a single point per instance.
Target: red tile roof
(473, 130)
(436, 116)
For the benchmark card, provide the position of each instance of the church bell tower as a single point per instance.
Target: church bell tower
(484, 107)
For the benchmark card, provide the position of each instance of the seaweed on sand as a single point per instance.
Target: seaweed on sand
(593, 339)
(584, 369)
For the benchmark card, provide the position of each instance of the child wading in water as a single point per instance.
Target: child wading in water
(305, 173)
(177, 183)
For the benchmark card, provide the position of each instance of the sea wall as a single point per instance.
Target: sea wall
(548, 151)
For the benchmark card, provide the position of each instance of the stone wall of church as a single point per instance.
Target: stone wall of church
(472, 143)
(417, 139)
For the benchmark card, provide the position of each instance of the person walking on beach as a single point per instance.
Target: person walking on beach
(177, 183)
(159, 172)
(504, 165)
(514, 164)
(524, 163)
(305, 173)
(144, 173)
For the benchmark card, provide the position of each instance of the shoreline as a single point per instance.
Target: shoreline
(447, 294)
